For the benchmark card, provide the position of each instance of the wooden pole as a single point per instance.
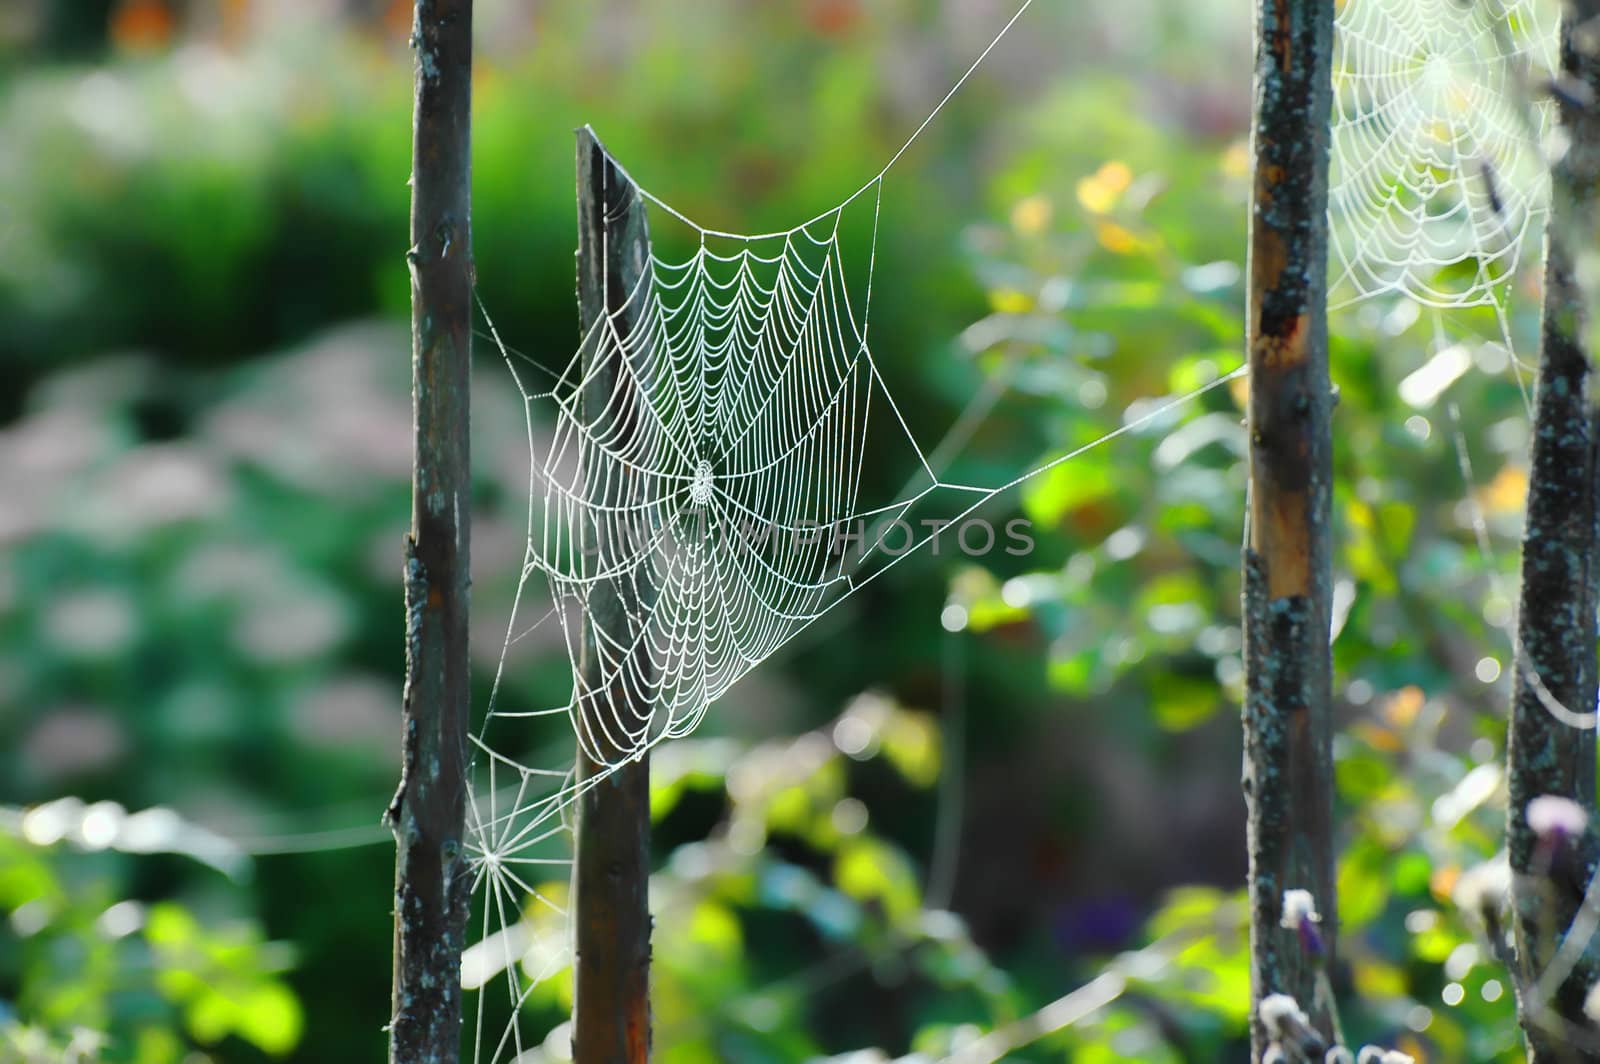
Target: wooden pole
(611, 1006)
(1547, 755)
(432, 884)
(1288, 773)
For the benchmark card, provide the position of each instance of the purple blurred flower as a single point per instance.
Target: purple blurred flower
(1300, 915)
(1554, 818)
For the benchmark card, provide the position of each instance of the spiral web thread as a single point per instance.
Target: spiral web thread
(696, 518)
(1443, 136)
(1438, 180)
(685, 520)
(697, 499)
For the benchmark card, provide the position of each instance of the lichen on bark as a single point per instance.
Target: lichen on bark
(1555, 659)
(1287, 562)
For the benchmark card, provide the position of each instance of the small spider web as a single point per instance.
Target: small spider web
(1438, 181)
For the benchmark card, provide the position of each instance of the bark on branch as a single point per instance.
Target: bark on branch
(1287, 565)
(432, 884)
(611, 1007)
(1555, 655)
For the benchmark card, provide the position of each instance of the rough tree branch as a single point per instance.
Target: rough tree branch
(611, 1008)
(1555, 655)
(1287, 565)
(432, 885)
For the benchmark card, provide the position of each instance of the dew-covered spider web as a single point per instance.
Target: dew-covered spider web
(1439, 181)
(692, 515)
(700, 477)
(701, 491)
(1443, 138)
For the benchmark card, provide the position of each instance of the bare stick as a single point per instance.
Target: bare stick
(432, 885)
(611, 1007)
(1287, 562)
(1548, 753)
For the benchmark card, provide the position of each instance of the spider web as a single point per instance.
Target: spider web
(698, 471)
(1438, 182)
(690, 515)
(699, 489)
(688, 518)
(700, 492)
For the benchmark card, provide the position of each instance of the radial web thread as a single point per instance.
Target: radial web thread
(712, 500)
(694, 517)
(1439, 180)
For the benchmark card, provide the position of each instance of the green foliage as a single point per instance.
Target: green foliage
(199, 581)
(798, 859)
(1124, 256)
(118, 980)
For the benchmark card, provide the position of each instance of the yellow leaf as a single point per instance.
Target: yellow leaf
(1378, 737)
(1404, 706)
(1099, 192)
(1031, 216)
(1506, 493)
(1442, 884)
(1115, 239)
(1010, 301)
